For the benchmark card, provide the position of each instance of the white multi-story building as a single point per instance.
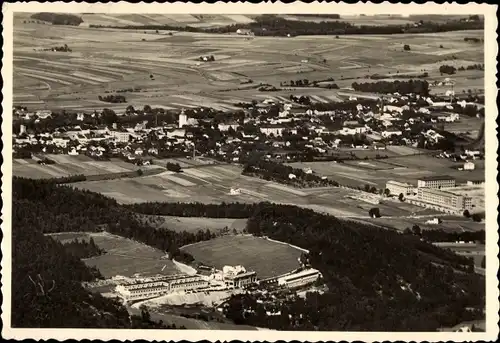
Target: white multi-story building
(273, 130)
(397, 188)
(120, 136)
(436, 182)
(299, 279)
(444, 200)
(183, 119)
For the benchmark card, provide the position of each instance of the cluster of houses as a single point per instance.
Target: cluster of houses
(397, 120)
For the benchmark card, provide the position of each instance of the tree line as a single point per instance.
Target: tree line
(274, 171)
(439, 235)
(83, 249)
(113, 98)
(402, 87)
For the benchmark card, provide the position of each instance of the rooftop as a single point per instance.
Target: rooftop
(437, 177)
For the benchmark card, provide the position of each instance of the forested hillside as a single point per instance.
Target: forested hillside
(46, 275)
(377, 279)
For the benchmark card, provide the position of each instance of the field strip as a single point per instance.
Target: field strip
(117, 19)
(195, 177)
(198, 173)
(52, 76)
(349, 176)
(89, 76)
(317, 98)
(253, 193)
(46, 78)
(64, 159)
(179, 180)
(58, 169)
(109, 168)
(211, 174)
(239, 18)
(282, 98)
(183, 105)
(44, 170)
(227, 171)
(286, 189)
(21, 161)
(333, 97)
(23, 96)
(162, 174)
(30, 102)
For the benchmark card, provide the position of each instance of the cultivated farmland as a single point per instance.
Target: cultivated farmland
(164, 69)
(212, 184)
(265, 257)
(71, 165)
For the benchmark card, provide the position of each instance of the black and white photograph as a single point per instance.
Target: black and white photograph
(251, 172)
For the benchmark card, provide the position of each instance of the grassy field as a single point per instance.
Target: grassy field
(267, 258)
(193, 224)
(123, 256)
(74, 80)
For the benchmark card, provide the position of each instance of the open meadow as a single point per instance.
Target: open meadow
(163, 68)
(193, 224)
(123, 256)
(265, 257)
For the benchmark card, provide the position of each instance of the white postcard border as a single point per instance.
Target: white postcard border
(491, 51)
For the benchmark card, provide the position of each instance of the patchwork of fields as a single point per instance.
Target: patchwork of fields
(164, 71)
(265, 257)
(71, 165)
(400, 168)
(123, 256)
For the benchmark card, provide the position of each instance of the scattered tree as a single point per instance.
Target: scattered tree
(476, 217)
(416, 230)
(374, 212)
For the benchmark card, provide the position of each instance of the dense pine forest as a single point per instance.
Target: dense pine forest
(377, 279)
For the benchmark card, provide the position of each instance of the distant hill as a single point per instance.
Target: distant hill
(58, 18)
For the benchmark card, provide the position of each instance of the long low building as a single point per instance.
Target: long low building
(160, 286)
(443, 181)
(299, 279)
